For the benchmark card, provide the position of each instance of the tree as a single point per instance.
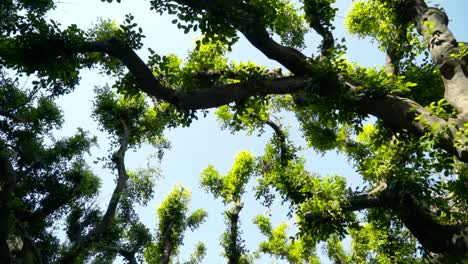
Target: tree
(173, 221)
(412, 158)
(230, 188)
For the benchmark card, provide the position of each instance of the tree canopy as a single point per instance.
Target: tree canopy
(403, 126)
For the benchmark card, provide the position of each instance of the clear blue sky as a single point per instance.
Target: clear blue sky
(204, 143)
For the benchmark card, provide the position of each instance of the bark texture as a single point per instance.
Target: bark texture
(432, 23)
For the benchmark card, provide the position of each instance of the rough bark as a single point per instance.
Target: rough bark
(391, 61)
(432, 24)
(433, 236)
(168, 246)
(399, 113)
(443, 239)
(234, 250)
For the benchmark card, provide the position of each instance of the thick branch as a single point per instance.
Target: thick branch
(432, 24)
(218, 96)
(290, 58)
(396, 111)
(118, 49)
(168, 245)
(391, 61)
(433, 236)
(201, 99)
(234, 249)
(240, 15)
(363, 201)
(399, 113)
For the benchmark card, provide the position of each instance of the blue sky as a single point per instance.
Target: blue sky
(204, 143)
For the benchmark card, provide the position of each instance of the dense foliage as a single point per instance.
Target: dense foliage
(412, 155)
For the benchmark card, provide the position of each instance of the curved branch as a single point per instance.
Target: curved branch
(240, 15)
(282, 139)
(433, 236)
(280, 135)
(432, 24)
(82, 244)
(118, 49)
(201, 99)
(292, 59)
(399, 113)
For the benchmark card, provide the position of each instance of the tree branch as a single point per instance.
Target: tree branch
(240, 15)
(363, 201)
(399, 113)
(433, 236)
(396, 111)
(96, 233)
(391, 61)
(201, 99)
(234, 247)
(282, 139)
(127, 254)
(168, 246)
(292, 59)
(432, 24)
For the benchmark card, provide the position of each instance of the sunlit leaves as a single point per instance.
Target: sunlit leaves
(192, 17)
(282, 246)
(462, 52)
(383, 243)
(320, 12)
(198, 254)
(327, 203)
(377, 19)
(141, 184)
(118, 114)
(282, 18)
(231, 186)
(174, 220)
(196, 218)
